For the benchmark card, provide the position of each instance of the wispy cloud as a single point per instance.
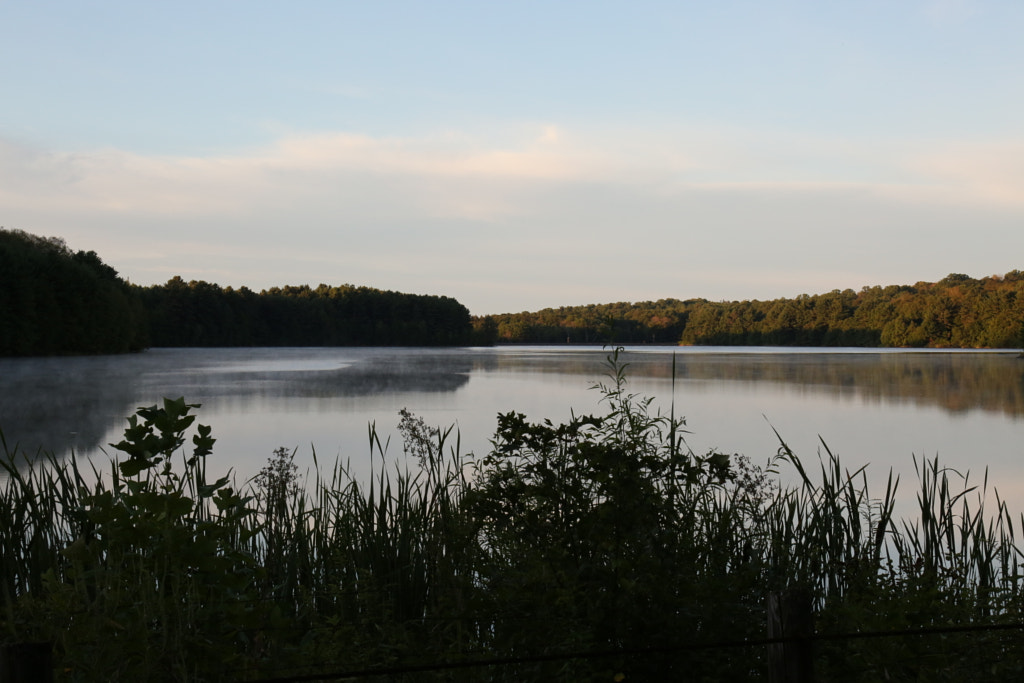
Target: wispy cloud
(989, 172)
(711, 212)
(465, 175)
(542, 156)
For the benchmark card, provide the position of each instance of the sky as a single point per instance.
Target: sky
(520, 155)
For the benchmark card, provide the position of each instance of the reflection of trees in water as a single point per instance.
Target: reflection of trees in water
(592, 364)
(60, 404)
(375, 376)
(955, 382)
(57, 404)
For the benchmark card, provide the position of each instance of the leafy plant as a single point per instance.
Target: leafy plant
(150, 580)
(609, 531)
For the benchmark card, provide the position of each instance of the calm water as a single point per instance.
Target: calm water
(871, 407)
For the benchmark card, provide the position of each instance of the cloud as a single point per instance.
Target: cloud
(459, 176)
(298, 168)
(544, 214)
(541, 158)
(989, 172)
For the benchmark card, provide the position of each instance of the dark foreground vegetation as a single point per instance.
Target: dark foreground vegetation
(955, 312)
(55, 301)
(600, 549)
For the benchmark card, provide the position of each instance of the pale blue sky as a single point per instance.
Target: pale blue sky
(524, 154)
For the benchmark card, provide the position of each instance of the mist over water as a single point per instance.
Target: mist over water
(877, 407)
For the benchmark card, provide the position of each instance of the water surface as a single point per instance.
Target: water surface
(877, 407)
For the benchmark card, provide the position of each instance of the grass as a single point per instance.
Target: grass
(604, 534)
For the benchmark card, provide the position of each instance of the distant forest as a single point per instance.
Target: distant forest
(55, 301)
(203, 314)
(955, 312)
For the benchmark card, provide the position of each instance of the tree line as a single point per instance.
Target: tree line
(204, 314)
(57, 301)
(955, 312)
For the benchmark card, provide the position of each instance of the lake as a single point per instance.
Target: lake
(871, 406)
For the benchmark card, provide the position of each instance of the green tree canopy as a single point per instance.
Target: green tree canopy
(955, 312)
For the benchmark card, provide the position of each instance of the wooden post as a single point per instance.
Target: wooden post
(26, 663)
(790, 616)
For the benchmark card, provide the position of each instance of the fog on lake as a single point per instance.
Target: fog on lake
(871, 406)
